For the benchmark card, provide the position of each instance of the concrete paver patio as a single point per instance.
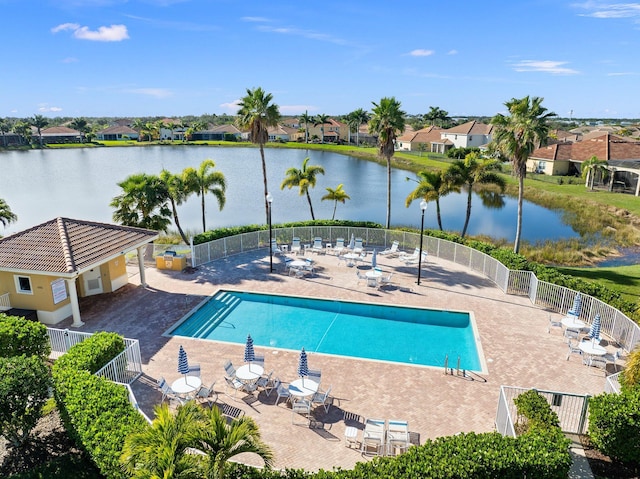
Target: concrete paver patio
(517, 349)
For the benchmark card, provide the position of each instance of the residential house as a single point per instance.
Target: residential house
(334, 131)
(282, 133)
(419, 140)
(218, 133)
(117, 133)
(172, 130)
(57, 134)
(468, 135)
(46, 268)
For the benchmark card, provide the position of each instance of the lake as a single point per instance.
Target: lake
(40, 185)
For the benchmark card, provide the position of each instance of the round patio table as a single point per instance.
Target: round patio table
(186, 385)
(303, 387)
(249, 373)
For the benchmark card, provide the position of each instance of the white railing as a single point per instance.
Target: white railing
(134, 402)
(61, 340)
(551, 297)
(612, 384)
(5, 302)
(572, 410)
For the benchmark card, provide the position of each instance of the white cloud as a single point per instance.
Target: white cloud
(255, 19)
(155, 92)
(231, 106)
(421, 53)
(544, 66)
(312, 35)
(621, 74)
(609, 10)
(113, 33)
(452, 52)
(45, 108)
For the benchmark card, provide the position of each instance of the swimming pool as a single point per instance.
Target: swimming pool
(371, 331)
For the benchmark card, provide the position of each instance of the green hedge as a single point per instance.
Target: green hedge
(19, 336)
(96, 412)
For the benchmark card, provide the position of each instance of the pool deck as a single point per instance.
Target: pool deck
(513, 333)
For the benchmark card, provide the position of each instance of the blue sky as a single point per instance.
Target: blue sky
(190, 57)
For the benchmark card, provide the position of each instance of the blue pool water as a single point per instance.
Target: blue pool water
(378, 332)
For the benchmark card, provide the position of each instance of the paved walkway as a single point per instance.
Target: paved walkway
(516, 346)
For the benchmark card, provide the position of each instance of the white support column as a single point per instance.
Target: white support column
(638, 186)
(73, 298)
(143, 280)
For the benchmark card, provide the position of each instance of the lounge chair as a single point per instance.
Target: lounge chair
(413, 258)
(391, 252)
(358, 248)
(397, 436)
(295, 245)
(373, 436)
(317, 245)
(338, 247)
(274, 247)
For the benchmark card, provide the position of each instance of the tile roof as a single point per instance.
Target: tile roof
(425, 135)
(471, 128)
(604, 146)
(118, 129)
(59, 130)
(66, 246)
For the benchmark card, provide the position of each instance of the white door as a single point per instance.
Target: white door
(92, 282)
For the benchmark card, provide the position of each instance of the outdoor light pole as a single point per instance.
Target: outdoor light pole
(269, 201)
(423, 207)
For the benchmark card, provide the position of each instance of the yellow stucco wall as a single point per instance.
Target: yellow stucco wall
(42, 297)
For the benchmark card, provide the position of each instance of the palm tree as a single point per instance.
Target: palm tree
(23, 129)
(257, 114)
(142, 203)
(220, 441)
(591, 168)
(471, 171)
(6, 215)
(178, 194)
(39, 122)
(362, 118)
(304, 179)
(203, 181)
(306, 119)
(432, 186)
(162, 449)
(352, 124)
(337, 194)
(437, 114)
(516, 136)
(81, 125)
(387, 121)
(321, 120)
(5, 128)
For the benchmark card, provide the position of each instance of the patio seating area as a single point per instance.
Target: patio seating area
(515, 345)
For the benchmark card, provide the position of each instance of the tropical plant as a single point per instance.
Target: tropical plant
(516, 136)
(162, 449)
(437, 116)
(23, 129)
(203, 181)
(142, 203)
(81, 125)
(432, 186)
(304, 179)
(472, 171)
(335, 195)
(387, 121)
(630, 377)
(257, 114)
(361, 117)
(6, 215)
(221, 441)
(5, 128)
(591, 168)
(321, 120)
(39, 122)
(178, 194)
(306, 119)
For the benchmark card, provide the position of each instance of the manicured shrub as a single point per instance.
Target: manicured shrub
(614, 424)
(93, 353)
(20, 336)
(534, 412)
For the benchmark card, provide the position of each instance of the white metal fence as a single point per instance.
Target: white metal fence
(5, 302)
(612, 383)
(546, 295)
(572, 410)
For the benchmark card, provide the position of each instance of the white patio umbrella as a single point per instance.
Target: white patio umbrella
(374, 259)
(352, 243)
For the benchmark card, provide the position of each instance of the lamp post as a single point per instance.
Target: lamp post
(423, 207)
(269, 201)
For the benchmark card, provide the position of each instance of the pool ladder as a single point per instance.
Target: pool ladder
(449, 371)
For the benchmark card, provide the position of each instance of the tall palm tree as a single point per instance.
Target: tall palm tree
(306, 119)
(590, 168)
(81, 125)
(387, 122)
(142, 203)
(178, 194)
(352, 125)
(6, 215)
(220, 441)
(39, 122)
(321, 120)
(257, 114)
(203, 181)
(471, 171)
(432, 186)
(23, 129)
(162, 449)
(362, 118)
(436, 115)
(516, 136)
(335, 195)
(304, 179)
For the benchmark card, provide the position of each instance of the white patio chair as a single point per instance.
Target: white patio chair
(259, 360)
(553, 323)
(338, 247)
(397, 436)
(300, 407)
(207, 394)
(391, 252)
(229, 369)
(322, 399)
(361, 276)
(265, 383)
(295, 245)
(281, 391)
(574, 349)
(317, 245)
(234, 384)
(194, 370)
(373, 436)
(358, 246)
(274, 247)
(168, 393)
(315, 375)
(385, 280)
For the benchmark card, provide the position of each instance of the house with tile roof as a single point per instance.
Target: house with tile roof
(117, 133)
(468, 135)
(334, 131)
(217, 133)
(46, 268)
(57, 134)
(621, 154)
(419, 140)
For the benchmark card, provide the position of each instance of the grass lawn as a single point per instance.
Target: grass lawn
(625, 279)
